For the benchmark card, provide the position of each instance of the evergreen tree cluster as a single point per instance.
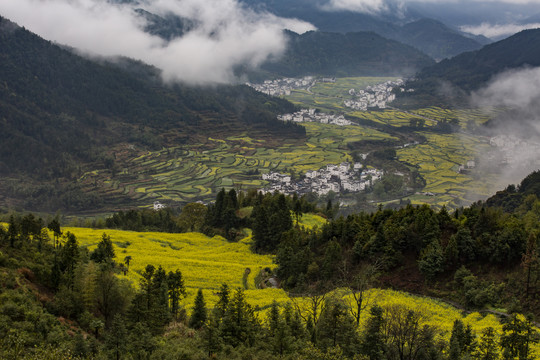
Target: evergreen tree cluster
(433, 244)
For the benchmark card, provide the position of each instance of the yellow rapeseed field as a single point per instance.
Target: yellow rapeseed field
(209, 262)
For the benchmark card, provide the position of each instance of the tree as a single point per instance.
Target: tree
(530, 263)
(461, 340)
(431, 262)
(239, 326)
(223, 301)
(487, 347)
(13, 231)
(337, 327)
(112, 295)
(116, 339)
(405, 333)
(372, 342)
(104, 252)
(141, 342)
(54, 226)
(69, 257)
(199, 314)
(358, 289)
(192, 217)
(127, 261)
(280, 335)
(177, 291)
(517, 337)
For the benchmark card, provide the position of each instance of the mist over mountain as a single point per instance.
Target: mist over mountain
(472, 70)
(391, 19)
(61, 112)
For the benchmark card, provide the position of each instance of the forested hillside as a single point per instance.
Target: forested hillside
(351, 54)
(61, 112)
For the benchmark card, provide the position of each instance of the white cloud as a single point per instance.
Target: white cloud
(362, 6)
(497, 31)
(381, 6)
(517, 94)
(227, 33)
(518, 89)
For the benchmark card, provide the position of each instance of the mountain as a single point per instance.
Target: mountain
(408, 26)
(334, 54)
(435, 38)
(60, 112)
(470, 71)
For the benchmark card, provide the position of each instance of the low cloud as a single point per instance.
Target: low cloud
(226, 35)
(497, 31)
(515, 131)
(365, 6)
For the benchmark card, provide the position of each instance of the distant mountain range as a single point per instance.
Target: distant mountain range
(472, 70)
(409, 27)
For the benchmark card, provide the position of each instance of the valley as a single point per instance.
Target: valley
(187, 173)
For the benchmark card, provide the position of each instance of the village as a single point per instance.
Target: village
(283, 87)
(336, 178)
(373, 96)
(312, 115)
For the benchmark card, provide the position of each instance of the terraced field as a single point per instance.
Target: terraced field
(189, 174)
(438, 161)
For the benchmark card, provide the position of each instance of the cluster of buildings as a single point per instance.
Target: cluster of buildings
(282, 87)
(373, 96)
(312, 115)
(336, 178)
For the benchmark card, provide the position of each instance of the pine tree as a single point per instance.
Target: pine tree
(69, 257)
(199, 315)
(280, 334)
(372, 343)
(223, 302)
(116, 338)
(177, 291)
(239, 326)
(141, 342)
(104, 252)
(487, 347)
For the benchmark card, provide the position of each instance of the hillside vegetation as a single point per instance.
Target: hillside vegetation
(351, 54)
(87, 293)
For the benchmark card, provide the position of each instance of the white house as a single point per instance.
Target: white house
(158, 206)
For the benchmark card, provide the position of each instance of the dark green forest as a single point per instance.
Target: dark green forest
(60, 300)
(351, 54)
